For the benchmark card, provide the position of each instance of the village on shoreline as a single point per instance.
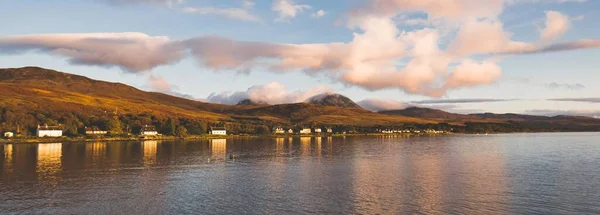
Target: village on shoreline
(45, 133)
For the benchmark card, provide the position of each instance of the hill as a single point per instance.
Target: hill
(502, 122)
(32, 96)
(250, 102)
(330, 99)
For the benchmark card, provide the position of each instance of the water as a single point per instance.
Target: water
(458, 174)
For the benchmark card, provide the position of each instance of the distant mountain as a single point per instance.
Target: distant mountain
(515, 121)
(425, 113)
(330, 99)
(250, 102)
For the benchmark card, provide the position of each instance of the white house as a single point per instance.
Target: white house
(278, 130)
(290, 131)
(148, 130)
(218, 131)
(329, 130)
(305, 131)
(9, 134)
(94, 131)
(317, 130)
(48, 131)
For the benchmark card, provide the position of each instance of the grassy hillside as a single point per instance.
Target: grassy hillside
(490, 122)
(32, 96)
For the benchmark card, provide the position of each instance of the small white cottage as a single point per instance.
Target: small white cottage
(305, 131)
(218, 131)
(148, 130)
(48, 131)
(278, 130)
(9, 134)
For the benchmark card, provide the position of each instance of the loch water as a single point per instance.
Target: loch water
(546, 173)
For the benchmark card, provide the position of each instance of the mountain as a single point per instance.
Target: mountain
(517, 122)
(337, 100)
(30, 96)
(33, 95)
(250, 102)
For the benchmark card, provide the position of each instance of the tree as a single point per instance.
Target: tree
(113, 126)
(181, 131)
(169, 127)
(262, 130)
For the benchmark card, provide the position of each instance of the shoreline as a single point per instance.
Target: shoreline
(211, 137)
(196, 137)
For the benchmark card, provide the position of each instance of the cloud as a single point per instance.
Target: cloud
(471, 73)
(547, 112)
(132, 52)
(458, 101)
(589, 100)
(157, 2)
(559, 47)
(469, 39)
(380, 55)
(319, 14)
(270, 93)
(242, 14)
(159, 83)
(382, 104)
(455, 10)
(287, 9)
(556, 26)
(555, 85)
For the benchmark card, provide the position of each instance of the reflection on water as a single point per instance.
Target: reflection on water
(49, 161)
(150, 149)
(462, 174)
(218, 148)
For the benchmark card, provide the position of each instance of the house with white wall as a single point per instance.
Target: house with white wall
(218, 131)
(48, 131)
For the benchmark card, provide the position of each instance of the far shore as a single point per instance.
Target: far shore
(192, 137)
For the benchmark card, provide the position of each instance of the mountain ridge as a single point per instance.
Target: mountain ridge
(33, 95)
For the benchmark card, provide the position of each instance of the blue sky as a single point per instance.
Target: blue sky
(295, 51)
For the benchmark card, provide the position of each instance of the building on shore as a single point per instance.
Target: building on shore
(278, 130)
(218, 131)
(305, 131)
(329, 130)
(9, 134)
(94, 131)
(290, 131)
(317, 130)
(148, 130)
(48, 131)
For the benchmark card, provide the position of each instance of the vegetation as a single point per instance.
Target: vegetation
(34, 96)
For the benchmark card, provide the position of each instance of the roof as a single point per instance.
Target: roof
(93, 128)
(49, 127)
(218, 128)
(148, 128)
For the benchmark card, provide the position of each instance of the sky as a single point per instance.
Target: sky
(465, 56)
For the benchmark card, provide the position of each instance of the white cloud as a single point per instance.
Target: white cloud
(133, 52)
(555, 85)
(270, 93)
(379, 56)
(158, 2)
(319, 14)
(287, 9)
(556, 26)
(382, 104)
(159, 83)
(231, 13)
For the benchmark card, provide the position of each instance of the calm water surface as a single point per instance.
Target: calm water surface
(458, 174)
